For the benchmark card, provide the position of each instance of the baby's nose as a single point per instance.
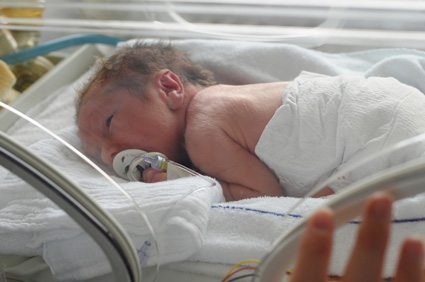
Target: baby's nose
(108, 152)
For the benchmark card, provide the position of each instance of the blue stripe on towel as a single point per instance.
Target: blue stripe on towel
(256, 211)
(228, 207)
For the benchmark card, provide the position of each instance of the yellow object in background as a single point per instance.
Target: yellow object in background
(25, 38)
(23, 12)
(7, 42)
(30, 71)
(7, 81)
(26, 73)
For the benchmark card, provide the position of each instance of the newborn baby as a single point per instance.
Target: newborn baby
(269, 139)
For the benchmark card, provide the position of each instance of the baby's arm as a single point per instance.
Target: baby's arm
(241, 174)
(324, 192)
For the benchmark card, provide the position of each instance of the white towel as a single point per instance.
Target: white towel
(326, 123)
(246, 229)
(32, 225)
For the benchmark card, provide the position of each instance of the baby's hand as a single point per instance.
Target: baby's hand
(324, 192)
(151, 175)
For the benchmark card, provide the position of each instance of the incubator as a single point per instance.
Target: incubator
(66, 216)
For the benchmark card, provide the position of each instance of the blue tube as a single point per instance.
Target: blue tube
(57, 44)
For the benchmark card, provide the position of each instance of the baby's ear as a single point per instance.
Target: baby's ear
(172, 90)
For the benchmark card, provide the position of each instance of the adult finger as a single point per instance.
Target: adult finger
(411, 261)
(315, 249)
(367, 258)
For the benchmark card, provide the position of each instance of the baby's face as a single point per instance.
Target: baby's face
(111, 120)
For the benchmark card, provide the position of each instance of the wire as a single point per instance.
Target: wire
(240, 263)
(241, 277)
(57, 44)
(239, 266)
(225, 279)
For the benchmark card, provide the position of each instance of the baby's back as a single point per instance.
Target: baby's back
(241, 111)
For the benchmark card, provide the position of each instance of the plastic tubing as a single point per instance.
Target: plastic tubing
(57, 44)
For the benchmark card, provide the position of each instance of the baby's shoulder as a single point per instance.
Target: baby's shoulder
(210, 105)
(208, 113)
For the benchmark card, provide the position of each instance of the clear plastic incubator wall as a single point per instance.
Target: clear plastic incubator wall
(66, 214)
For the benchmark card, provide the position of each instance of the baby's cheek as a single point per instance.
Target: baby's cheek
(151, 175)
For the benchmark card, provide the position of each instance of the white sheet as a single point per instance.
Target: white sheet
(228, 231)
(246, 229)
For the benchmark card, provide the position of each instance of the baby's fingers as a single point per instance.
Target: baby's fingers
(411, 262)
(151, 175)
(315, 249)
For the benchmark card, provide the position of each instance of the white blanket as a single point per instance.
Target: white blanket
(31, 225)
(327, 123)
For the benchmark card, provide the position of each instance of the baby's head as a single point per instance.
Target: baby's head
(130, 67)
(137, 99)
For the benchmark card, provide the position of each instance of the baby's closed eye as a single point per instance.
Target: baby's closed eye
(109, 121)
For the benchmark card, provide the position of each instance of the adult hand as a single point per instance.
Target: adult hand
(366, 261)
